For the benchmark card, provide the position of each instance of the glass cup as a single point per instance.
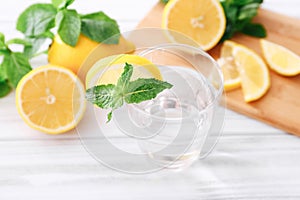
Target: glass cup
(181, 124)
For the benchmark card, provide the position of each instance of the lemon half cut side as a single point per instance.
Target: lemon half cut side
(51, 99)
(202, 20)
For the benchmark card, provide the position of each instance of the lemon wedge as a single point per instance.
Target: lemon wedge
(280, 59)
(253, 72)
(229, 68)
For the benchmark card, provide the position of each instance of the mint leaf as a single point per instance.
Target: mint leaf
(114, 96)
(3, 75)
(4, 88)
(100, 28)
(2, 37)
(68, 22)
(123, 81)
(36, 19)
(109, 116)
(62, 3)
(105, 96)
(4, 51)
(248, 11)
(36, 43)
(256, 30)
(16, 66)
(2, 41)
(18, 41)
(101, 95)
(244, 2)
(145, 89)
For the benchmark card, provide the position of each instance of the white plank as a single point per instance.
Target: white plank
(264, 167)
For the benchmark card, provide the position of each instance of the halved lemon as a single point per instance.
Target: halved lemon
(202, 20)
(51, 99)
(108, 70)
(229, 68)
(280, 59)
(253, 72)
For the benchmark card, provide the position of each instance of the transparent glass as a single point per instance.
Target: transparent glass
(175, 126)
(175, 129)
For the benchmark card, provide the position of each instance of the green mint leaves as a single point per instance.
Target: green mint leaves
(4, 88)
(109, 27)
(125, 91)
(255, 30)
(61, 4)
(69, 24)
(239, 14)
(38, 20)
(14, 65)
(37, 23)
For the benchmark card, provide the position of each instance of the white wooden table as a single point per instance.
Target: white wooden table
(251, 161)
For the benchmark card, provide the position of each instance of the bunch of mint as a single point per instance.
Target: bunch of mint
(38, 23)
(113, 96)
(38, 20)
(239, 15)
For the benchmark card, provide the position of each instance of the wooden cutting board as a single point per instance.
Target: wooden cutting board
(280, 107)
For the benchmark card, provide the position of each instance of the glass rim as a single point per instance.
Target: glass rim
(194, 49)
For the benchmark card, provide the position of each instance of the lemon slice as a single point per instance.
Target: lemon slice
(202, 20)
(280, 59)
(108, 70)
(254, 74)
(51, 99)
(229, 68)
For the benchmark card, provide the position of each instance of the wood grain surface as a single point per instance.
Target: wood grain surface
(280, 107)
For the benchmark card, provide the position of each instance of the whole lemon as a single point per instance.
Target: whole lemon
(72, 58)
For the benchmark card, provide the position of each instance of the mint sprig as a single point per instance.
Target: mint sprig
(38, 21)
(112, 96)
(14, 65)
